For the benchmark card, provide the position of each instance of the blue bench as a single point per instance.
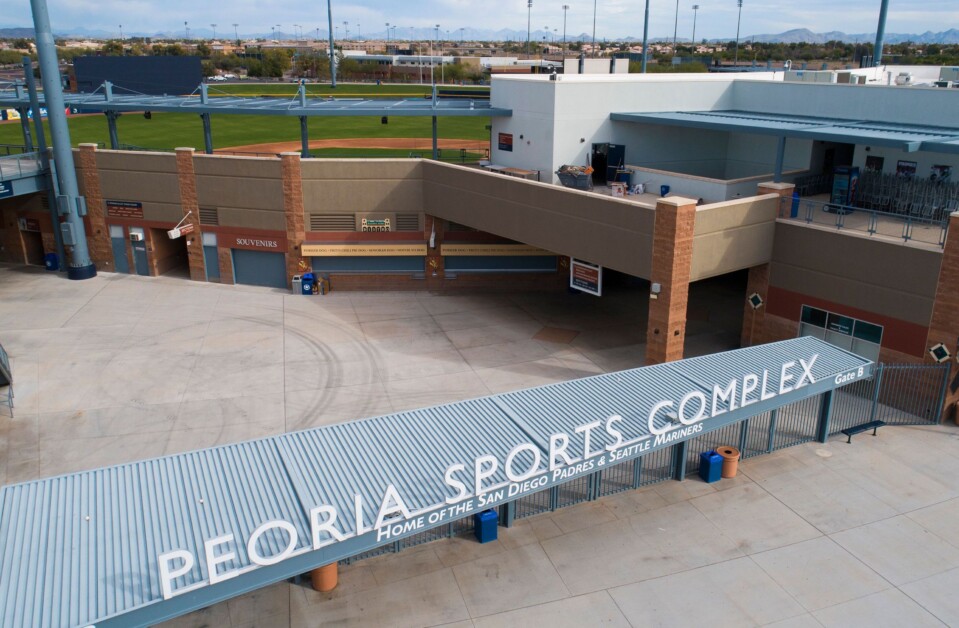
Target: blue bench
(872, 425)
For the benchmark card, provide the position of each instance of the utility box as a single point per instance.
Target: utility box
(710, 466)
(484, 525)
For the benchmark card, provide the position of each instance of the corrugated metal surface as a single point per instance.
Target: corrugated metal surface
(83, 547)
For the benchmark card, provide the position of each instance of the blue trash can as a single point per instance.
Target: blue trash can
(710, 466)
(484, 525)
(663, 190)
(307, 283)
(51, 261)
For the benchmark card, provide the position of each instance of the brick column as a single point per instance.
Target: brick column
(754, 320)
(672, 259)
(186, 177)
(784, 190)
(98, 234)
(225, 257)
(293, 209)
(434, 261)
(944, 326)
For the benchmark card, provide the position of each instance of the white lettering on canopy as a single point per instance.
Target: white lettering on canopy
(523, 466)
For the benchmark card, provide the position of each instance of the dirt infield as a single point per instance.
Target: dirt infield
(411, 143)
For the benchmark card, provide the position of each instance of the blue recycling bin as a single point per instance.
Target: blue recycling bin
(51, 261)
(663, 190)
(710, 466)
(484, 525)
(307, 283)
(794, 209)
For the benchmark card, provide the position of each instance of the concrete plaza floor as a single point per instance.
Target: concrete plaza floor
(120, 368)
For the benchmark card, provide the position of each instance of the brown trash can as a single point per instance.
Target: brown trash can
(324, 579)
(730, 461)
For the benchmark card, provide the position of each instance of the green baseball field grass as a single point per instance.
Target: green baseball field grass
(169, 130)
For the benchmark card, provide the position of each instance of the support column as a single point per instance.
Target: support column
(207, 133)
(944, 326)
(293, 209)
(672, 259)
(304, 138)
(25, 127)
(98, 238)
(433, 234)
(112, 128)
(755, 318)
(186, 177)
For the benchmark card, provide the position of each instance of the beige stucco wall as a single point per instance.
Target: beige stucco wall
(616, 233)
(149, 178)
(868, 273)
(733, 235)
(348, 186)
(246, 192)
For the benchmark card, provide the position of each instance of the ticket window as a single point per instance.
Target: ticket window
(211, 259)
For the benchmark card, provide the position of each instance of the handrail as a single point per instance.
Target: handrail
(930, 227)
(20, 166)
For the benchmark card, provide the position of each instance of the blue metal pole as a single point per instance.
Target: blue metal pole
(880, 33)
(112, 128)
(207, 134)
(44, 158)
(645, 36)
(329, 12)
(71, 205)
(25, 128)
(304, 138)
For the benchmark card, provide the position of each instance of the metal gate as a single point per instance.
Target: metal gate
(898, 394)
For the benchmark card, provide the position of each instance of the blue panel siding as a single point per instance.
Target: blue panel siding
(212, 262)
(120, 261)
(383, 264)
(259, 268)
(500, 263)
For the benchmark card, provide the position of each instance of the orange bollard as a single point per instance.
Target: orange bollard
(324, 578)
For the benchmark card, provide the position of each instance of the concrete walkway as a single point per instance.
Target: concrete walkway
(120, 368)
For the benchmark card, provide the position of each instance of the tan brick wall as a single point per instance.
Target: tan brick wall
(186, 178)
(98, 234)
(672, 260)
(293, 208)
(754, 319)
(944, 327)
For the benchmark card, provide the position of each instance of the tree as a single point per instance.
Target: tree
(21, 43)
(275, 63)
(203, 50)
(207, 68)
(112, 48)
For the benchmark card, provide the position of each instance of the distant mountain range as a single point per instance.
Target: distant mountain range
(794, 36)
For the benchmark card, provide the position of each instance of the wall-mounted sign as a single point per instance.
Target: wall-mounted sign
(505, 142)
(493, 250)
(470, 485)
(586, 277)
(6, 189)
(29, 224)
(906, 169)
(254, 242)
(124, 209)
(182, 230)
(361, 250)
(375, 223)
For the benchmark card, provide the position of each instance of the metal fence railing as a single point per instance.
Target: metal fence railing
(930, 229)
(897, 394)
(17, 166)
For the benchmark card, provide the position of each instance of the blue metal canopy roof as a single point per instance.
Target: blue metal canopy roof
(907, 137)
(268, 106)
(92, 547)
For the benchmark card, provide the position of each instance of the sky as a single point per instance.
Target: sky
(614, 18)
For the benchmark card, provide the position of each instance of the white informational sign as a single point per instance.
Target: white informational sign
(586, 277)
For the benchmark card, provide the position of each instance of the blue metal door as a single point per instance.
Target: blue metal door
(212, 262)
(120, 262)
(140, 258)
(259, 268)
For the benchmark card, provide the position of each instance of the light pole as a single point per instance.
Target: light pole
(738, 20)
(121, 32)
(346, 30)
(676, 27)
(236, 33)
(594, 29)
(387, 37)
(645, 36)
(529, 15)
(295, 36)
(695, 13)
(565, 9)
(214, 31)
(279, 33)
(186, 31)
(329, 15)
(461, 34)
(272, 33)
